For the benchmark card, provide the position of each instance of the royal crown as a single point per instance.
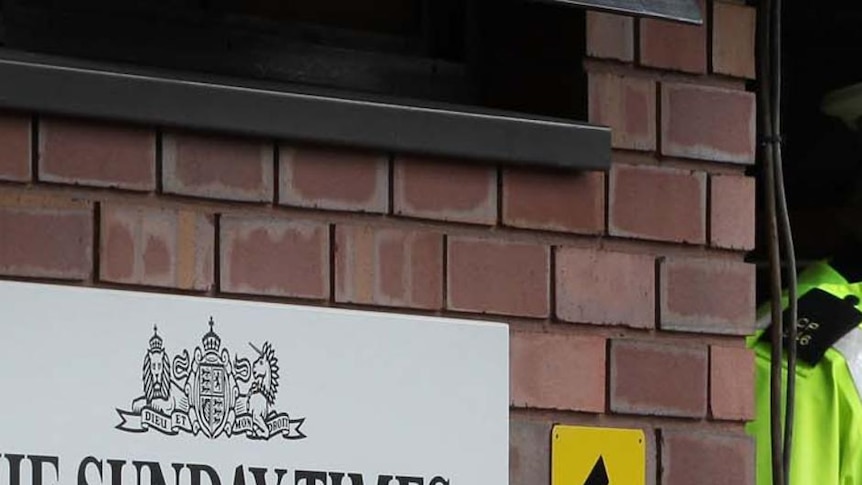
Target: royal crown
(156, 344)
(211, 341)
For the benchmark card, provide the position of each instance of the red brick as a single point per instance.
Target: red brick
(733, 39)
(99, 154)
(657, 203)
(45, 238)
(217, 167)
(275, 257)
(732, 202)
(708, 123)
(651, 448)
(731, 383)
(610, 36)
(565, 372)
(591, 284)
(334, 179)
(707, 296)
(706, 459)
(15, 140)
(658, 379)
(389, 267)
(628, 106)
(529, 452)
(674, 46)
(498, 277)
(157, 247)
(445, 190)
(554, 201)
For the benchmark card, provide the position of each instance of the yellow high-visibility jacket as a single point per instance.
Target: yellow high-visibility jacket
(827, 443)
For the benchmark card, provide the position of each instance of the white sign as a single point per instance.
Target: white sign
(101, 387)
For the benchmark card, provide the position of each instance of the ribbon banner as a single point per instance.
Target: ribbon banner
(141, 422)
(278, 424)
(148, 418)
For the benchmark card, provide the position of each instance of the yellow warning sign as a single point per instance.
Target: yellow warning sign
(597, 456)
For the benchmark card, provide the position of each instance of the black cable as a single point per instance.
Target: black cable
(765, 112)
(777, 325)
(790, 275)
(786, 236)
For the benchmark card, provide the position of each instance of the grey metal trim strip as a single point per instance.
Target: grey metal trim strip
(686, 11)
(54, 85)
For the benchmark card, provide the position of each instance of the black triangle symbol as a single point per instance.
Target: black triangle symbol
(599, 475)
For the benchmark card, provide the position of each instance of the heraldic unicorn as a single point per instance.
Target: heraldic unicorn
(209, 394)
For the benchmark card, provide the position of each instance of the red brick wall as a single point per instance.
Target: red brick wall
(626, 292)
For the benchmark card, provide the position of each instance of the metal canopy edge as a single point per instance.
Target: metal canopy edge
(686, 11)
(46, 84)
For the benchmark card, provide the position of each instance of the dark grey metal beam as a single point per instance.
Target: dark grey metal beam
(54, 85)
(686, 11)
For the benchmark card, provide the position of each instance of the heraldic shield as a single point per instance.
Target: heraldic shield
(212, 398)
(202, 394)
(211, 383)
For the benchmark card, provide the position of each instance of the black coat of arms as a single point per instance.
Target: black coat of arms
(209, 394)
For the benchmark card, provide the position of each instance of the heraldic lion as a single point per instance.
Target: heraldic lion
(158, 392)
(157, 376)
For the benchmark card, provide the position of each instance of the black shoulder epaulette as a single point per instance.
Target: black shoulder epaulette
(823, 319)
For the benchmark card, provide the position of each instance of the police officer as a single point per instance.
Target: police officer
(827, 445)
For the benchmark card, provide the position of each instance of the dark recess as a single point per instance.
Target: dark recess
(822, 156)
(509, 54)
